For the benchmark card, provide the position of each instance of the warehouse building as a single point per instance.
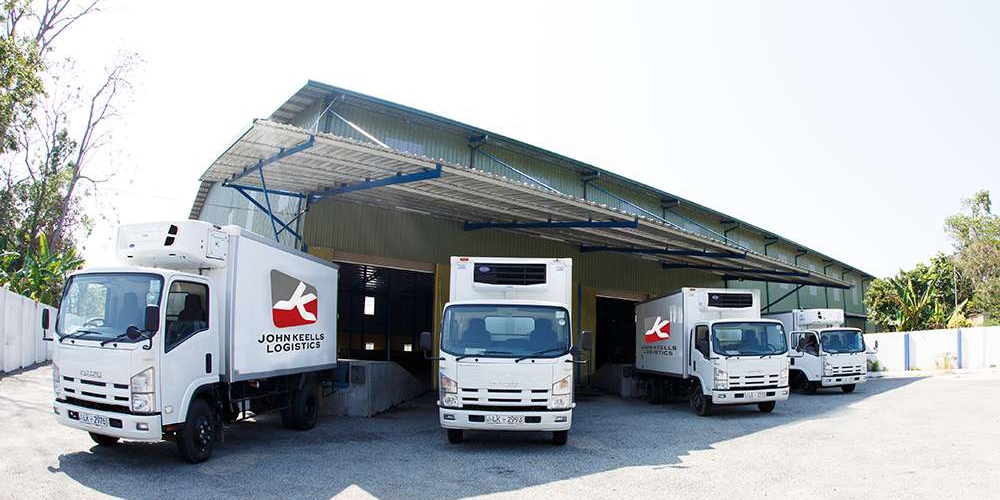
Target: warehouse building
(390, 193)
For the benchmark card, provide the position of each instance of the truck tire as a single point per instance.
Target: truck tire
(766, 407)
(103, 440)
(456, 436)
(559, 438)
(701, 403)
(849, 388)
(810, 387)
(196, 439)
(304, 411)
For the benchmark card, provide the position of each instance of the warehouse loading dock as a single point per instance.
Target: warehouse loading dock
(337, 173)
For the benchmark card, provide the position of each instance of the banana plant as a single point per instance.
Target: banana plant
(42, 273)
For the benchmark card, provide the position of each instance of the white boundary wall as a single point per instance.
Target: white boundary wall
(977, 347)
(21, 343)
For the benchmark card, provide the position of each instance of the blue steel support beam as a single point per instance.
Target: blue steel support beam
(526, 176)
(472, 226)
(782, 281)
(387, 181)
(702, 267)
(267, 201)
(274, 219)
(284, 153)
(256, 189)
(663, 251)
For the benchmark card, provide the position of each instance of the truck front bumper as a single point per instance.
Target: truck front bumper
(120, 425)
(837, 380)
(459, 418)
(749, 395)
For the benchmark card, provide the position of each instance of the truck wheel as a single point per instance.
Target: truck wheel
(196, 440)
(810, 387)
(304, 412)
(559, 438)
(701, 403)
(766, 407)
(849, 388)
(456, 436)
(103, 440)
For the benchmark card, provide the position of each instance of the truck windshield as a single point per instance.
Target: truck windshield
(842, 341)
(102, 306)
(505, 331)
(748, 339)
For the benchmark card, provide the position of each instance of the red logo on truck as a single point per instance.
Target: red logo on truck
(659, 331)
(294, 302)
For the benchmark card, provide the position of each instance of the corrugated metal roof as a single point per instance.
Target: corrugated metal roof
(314, 93)
(466, 194)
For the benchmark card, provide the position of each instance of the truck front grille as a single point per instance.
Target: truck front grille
(848, 370)
(754, 381)
(115, 396)
(503, 397)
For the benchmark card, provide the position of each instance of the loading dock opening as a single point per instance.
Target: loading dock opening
(381, 313)
(615, 331)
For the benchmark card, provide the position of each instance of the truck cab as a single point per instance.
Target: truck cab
(110, 369)
(824, 354)
(506, 347)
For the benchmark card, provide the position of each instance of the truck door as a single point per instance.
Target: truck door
(190, 345)
(804, 355)
(699, 353)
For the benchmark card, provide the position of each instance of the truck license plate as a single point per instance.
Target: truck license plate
(94, 420)
(758, 394)
(505, 419)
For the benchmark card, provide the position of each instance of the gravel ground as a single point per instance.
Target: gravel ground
(927, 437)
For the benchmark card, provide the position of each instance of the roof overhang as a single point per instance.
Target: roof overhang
(300, 162)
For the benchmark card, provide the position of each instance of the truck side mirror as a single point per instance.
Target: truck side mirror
(587, 340)
(426, 339)
(152, 320)
(45, 325)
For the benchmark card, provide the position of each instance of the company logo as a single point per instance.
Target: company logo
(294, 302)
(91, 374)
(659, 331)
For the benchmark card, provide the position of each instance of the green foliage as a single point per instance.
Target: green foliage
(926, 297)
(21, 64)
(41, 273)
(975, 234)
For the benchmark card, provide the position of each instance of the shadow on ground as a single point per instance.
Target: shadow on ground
(404, 454)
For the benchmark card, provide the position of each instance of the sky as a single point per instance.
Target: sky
(852, 127)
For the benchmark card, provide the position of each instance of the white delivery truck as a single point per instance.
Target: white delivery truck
(202, 325)
(822, 352)
(712, 346)
(506, 351)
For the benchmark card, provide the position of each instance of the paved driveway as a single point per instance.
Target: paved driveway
(934, 437)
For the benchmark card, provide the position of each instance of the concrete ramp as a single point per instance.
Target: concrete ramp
(372, 388)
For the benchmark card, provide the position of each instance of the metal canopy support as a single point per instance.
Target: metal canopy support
(783, 281)
(664, 251)
(779, 299)
(267, 210)
(386, 181)
(283, 153)
(472, 226)
(735, 269)
(522, 174)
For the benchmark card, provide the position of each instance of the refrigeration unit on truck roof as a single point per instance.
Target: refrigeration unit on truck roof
(508, 278)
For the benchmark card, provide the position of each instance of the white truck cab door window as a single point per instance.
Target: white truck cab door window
(700, 342)
(809, 344)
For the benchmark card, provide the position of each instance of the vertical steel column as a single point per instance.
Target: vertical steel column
(906, 351)
(959, 348)
(267, 201)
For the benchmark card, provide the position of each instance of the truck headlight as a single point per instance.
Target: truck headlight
(783, 377)
(143, 385)
(827, 369)
(448, 392)
(562, 394)
(57, 381)
(721, 379)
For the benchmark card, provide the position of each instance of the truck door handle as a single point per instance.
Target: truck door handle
(694, 365)
(208, 362)
(792, 361)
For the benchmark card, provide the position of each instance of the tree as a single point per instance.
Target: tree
(975, 234)
(926, 297)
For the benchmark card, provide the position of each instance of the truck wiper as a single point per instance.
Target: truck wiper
(124, 335)
(77, 334)
(539, 353)
(460, 358)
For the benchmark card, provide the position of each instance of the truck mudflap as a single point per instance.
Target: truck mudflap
(749, 396)
(458, 418)
(838, 380)
(121, 425)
